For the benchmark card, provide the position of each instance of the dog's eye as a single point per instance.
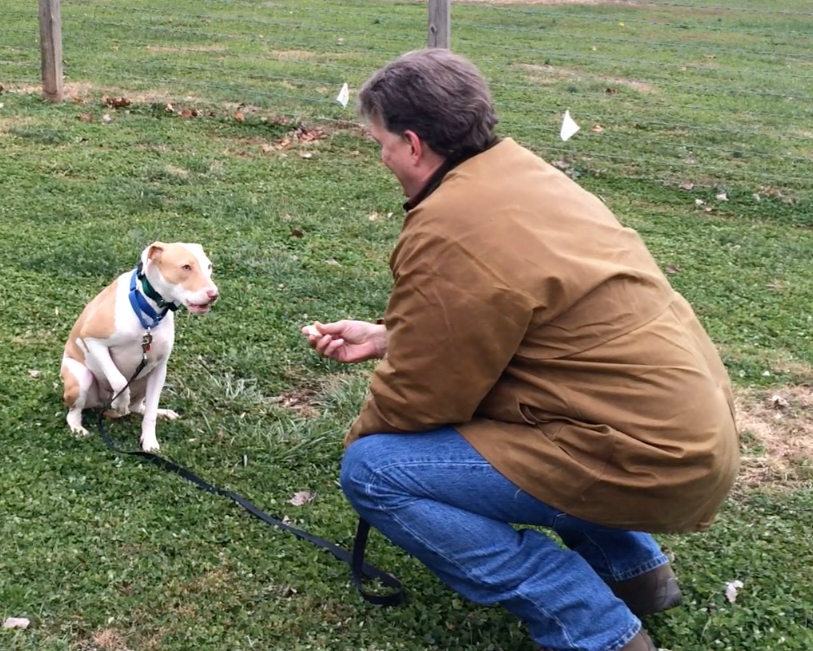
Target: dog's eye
(187, 267)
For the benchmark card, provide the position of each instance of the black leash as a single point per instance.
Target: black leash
(355, 559)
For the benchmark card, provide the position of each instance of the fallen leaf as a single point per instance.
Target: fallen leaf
(610, 91)
(301, 134)
(106, 118)
(239, 117)
(169, 108)
(374, 216)
(17, 622)
(596, 128)
(301, 498)
(34, 373)
(305, 154)
(115, 102)
(85, 117)
(297, 232)
(699, 202)
(731, 590)
(778, 402)
(309, 135)
(683, 68)
(333, 263)
(187, 113)
(686, 185)
(722, 197)
(672, 269)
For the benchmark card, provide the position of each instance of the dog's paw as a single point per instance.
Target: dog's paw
(150, 444)
(75, 422)
(121, 405)
(79, 430)
(168, 414)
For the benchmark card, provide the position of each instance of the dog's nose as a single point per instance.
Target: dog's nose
(211, 294)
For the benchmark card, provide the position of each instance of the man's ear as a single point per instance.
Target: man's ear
(155, 251)
(417, 145)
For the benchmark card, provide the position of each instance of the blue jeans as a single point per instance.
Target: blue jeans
(434, 495)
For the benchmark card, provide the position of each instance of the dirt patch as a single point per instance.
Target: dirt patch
(547, 74)
(73, 91)
(300, 401)
(83, 92)
(777, 435)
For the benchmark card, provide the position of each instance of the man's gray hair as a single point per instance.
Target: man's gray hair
(439, 95)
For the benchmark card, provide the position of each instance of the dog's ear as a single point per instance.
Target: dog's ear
(155, 251)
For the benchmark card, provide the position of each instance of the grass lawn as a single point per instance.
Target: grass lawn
(696, 131)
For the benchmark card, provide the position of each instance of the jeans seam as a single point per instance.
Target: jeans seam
(658, 561)
(405, 527)
(638, 570)
(624, 639)
(606, 558)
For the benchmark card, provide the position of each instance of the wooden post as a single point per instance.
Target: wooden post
(51, 49)
(440, 23)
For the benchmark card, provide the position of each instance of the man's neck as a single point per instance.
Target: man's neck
(425, 178)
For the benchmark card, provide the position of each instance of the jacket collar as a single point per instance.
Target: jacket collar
(447, 166)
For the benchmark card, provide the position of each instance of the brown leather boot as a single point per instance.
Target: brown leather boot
(641, 642)
(650, 593)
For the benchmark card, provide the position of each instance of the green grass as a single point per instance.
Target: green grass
(102, 552)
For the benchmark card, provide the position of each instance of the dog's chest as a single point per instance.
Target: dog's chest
(128, 355)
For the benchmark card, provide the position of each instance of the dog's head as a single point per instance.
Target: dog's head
(181, 273)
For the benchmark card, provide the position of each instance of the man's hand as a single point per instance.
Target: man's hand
(348, 341)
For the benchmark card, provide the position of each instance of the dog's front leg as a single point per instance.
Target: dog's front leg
(155, 385)
(100, 353)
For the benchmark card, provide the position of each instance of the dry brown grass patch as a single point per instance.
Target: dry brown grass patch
(777, 432)
(292, 55)
(625, 3)
(547, 74)
(13, 122)
(186, 48)
(107, 639)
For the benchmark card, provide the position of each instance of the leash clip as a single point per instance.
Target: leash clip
(145, 342)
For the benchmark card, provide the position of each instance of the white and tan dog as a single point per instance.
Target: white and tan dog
(130, 321)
